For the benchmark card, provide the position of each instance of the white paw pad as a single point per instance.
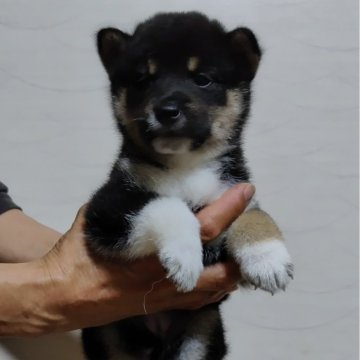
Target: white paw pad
(183, 264)
(266, 265)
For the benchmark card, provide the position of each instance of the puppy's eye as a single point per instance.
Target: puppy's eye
(202, 80)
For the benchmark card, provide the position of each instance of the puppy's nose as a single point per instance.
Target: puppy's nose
(167, 112)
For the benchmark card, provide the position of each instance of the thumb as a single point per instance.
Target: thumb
(79, 221)
(219, 215)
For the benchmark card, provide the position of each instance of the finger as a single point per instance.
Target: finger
(179, 301)
(215, 278)
(217, 297)
(219, 277)
(216, 217)
(198, 300)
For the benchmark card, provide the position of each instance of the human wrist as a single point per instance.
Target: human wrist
(30, 296)
(23, 239)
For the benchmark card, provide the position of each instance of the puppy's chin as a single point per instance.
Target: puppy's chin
(172, 145)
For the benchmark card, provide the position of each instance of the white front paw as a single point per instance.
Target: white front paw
(267, 265)
(168, 227)
(183, 262)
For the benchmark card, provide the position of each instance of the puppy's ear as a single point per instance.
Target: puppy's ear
(111, 44)
(246, 51)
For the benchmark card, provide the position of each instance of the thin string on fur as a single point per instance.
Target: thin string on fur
(149, 292)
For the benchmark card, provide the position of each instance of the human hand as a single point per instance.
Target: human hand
(89, 291)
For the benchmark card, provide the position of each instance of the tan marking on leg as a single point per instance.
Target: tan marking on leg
(152, 67)
(256, 243)
(193, 63)
(253, 226)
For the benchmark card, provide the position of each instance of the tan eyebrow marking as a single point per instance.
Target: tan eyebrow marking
(152, 67)
(193, 63)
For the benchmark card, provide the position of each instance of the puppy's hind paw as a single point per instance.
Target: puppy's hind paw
(266, 265)
(183, 266)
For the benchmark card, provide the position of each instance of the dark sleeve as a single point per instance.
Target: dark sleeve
(6, 202)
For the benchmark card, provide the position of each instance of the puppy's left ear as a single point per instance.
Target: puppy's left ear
(246, 50)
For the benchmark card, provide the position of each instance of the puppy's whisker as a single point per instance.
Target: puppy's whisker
(139, 119)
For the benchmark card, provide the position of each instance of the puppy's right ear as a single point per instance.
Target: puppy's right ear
(111, 44)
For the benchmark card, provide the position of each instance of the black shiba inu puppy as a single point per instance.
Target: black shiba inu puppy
(180, 88)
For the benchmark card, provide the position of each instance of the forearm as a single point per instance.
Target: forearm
(29, 297)
(24, 239)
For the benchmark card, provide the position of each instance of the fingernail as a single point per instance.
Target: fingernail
(249, 192)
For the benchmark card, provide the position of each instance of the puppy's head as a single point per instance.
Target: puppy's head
(179, 82)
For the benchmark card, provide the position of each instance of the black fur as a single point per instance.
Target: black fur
(107, 224)
(230, 59)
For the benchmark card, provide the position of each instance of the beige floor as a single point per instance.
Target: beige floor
(57, 141)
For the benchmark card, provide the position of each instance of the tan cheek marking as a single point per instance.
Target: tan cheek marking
(193, 63)
(224, 117)
(120, 107)
(152, 67)
(122, 116)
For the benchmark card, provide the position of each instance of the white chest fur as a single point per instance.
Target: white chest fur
(197, 187)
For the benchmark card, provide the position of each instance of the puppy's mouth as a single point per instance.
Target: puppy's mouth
(169, 137)
(171, 145)
(179, 136)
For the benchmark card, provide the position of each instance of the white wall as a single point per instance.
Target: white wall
(57, 140)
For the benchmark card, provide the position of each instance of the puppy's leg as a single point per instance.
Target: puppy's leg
(204, 339)
(128, 222)
(107, 219)
(256, 243)
(168, 227)
(106, 343)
